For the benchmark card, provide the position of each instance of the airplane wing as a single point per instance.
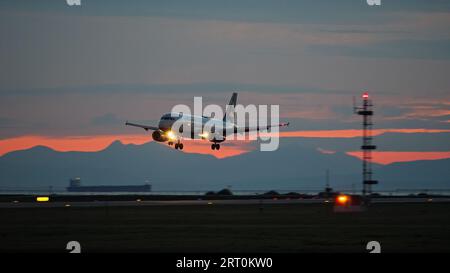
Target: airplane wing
(257, 128)
(145, 127)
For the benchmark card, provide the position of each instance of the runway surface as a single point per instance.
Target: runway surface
(58, 204)
(234, 226)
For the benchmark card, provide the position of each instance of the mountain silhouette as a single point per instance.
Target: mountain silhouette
(293, 166)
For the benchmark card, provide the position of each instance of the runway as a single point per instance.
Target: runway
(141, 203)
(236, 226)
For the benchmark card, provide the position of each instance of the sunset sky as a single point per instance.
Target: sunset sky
(71, 76)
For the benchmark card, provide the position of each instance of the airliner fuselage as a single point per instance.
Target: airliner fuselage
(173, 127)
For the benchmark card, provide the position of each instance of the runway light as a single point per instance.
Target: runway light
(67, 205)
(342, 199)
(42, 199)
(138, 200)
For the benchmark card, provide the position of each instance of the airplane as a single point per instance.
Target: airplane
(164, 131)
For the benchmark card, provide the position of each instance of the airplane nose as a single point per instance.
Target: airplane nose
(165, 124)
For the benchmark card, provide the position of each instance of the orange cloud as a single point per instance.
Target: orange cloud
(353, 132)
(66, 144)
(231, 148)
(98, 143)
(425, 112)
(388, 157)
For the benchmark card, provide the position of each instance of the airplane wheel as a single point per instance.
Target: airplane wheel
(180, 146)
(176, 146)
(170, 143)
(215, 146)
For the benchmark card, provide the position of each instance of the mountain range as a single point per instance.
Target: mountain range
(293, 166)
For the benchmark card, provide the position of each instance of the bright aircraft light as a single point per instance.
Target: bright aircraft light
(204, 135)
(171, 135)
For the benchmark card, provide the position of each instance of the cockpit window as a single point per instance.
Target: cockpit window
(171, 116)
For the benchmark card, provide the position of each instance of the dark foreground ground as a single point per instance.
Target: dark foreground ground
(227, 228)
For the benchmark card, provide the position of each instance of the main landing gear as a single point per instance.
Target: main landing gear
(178, 145)
(215, 146)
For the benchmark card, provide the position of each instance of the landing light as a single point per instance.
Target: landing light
(171, 135)
(204, 135)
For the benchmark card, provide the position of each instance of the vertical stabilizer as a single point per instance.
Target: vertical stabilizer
(229, 110)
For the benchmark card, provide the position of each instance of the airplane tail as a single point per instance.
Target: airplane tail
(229, 110)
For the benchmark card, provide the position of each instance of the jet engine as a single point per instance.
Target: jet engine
(159, 136)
